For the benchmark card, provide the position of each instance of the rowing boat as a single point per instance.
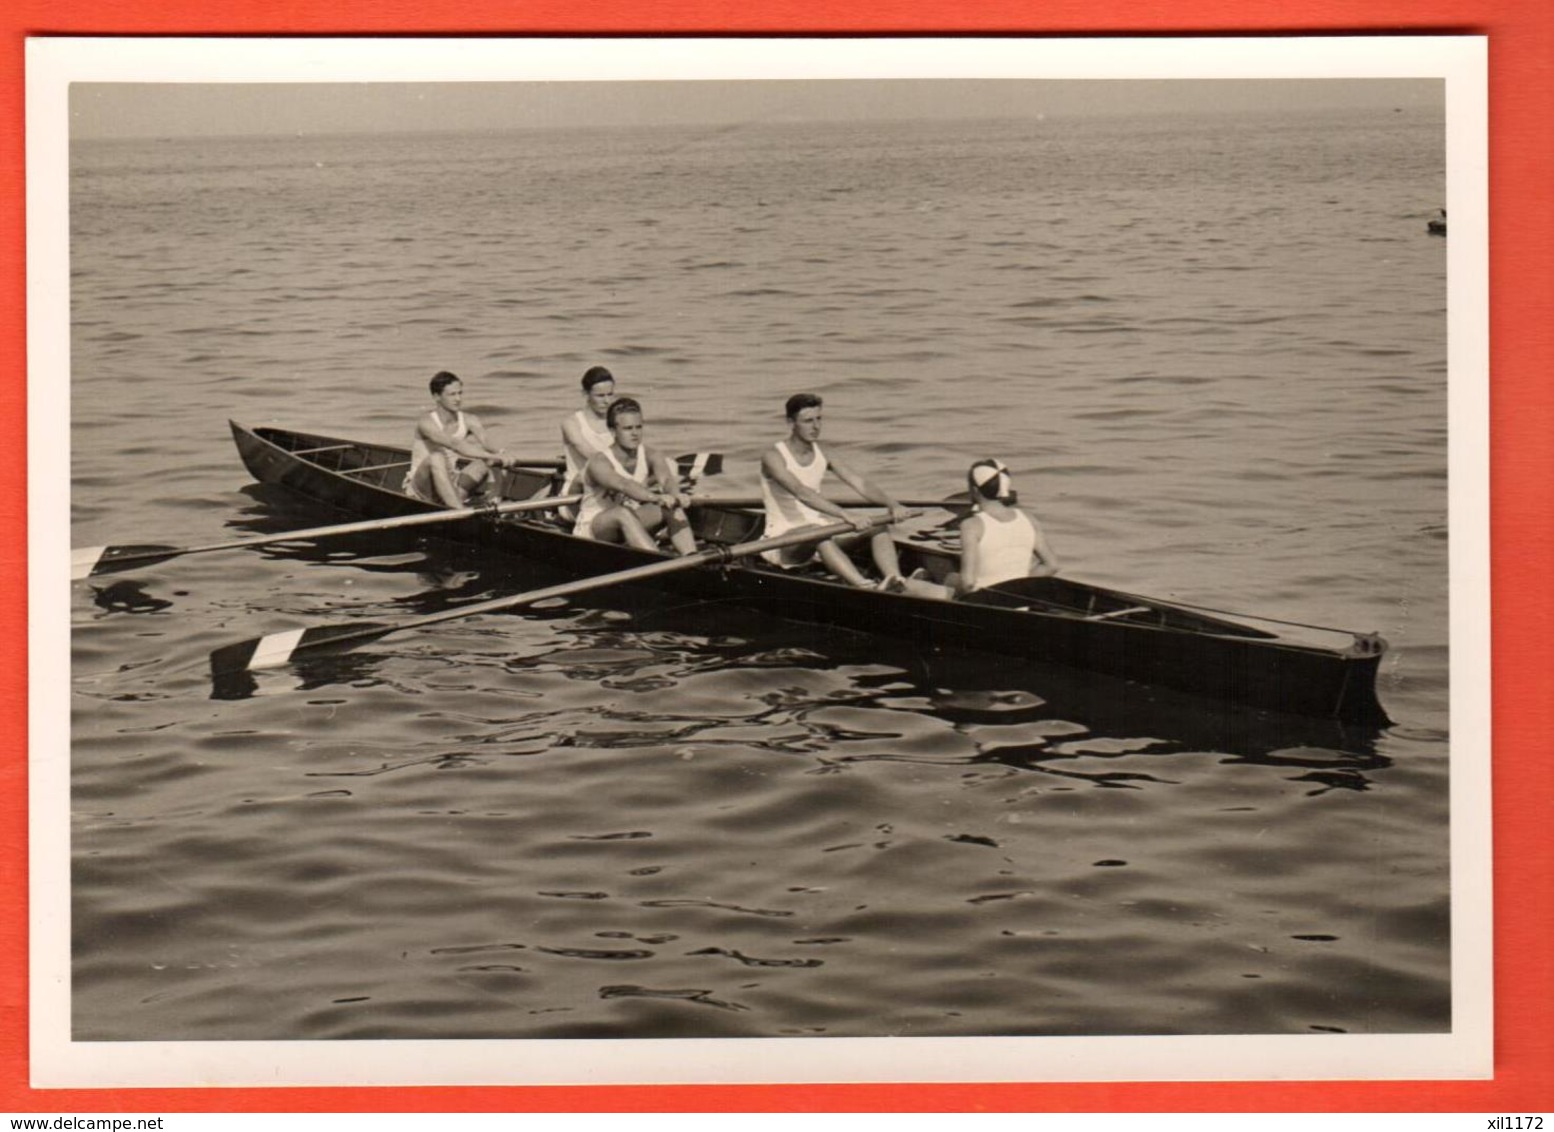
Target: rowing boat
(1050, 620)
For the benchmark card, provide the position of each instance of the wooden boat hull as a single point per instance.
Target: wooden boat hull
(1052, 620)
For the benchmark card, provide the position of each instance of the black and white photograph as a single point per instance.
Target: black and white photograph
(959, 561)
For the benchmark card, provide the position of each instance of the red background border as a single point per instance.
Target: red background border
(1521, 98)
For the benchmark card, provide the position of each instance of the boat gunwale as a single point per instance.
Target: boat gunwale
(1249, 635)
(1262, 672)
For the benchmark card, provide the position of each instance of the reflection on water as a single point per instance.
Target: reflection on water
(866, 759)
(1045, 719)
(126, 596)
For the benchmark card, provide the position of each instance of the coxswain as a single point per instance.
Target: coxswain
(630, 491)
(451, 461)
(998, 541)
(792, 472)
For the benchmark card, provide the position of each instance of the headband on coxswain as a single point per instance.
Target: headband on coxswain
(990, 480)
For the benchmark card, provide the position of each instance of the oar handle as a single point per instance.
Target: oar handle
(752, 501)
(550, 463)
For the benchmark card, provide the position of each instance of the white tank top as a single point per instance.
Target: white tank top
(589, 425)
(784, 510)
(419, 450)
(598, 499)
(1005, 550)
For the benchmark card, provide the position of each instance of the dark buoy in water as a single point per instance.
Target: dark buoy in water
(1437, 225)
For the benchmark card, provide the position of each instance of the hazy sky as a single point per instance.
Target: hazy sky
(185, 109)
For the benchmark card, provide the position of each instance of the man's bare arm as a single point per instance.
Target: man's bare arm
(868, 489)
(472, 445)
(774, 467)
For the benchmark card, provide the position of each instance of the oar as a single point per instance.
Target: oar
(548, 463)
(91, 561)
(282, 648)
(696, 465)
(953, 503)
(552, 464)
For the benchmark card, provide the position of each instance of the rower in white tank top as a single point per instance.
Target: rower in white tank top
(586, 431)
(451, 461)
(784, 510)
(581, 442)
(790, 490)
(595, 436)
(420, 451)
(1005, 549)
(630, 506)
(598, 499)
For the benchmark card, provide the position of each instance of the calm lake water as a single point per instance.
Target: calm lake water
(1212, 351)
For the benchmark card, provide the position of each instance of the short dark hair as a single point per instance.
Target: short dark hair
(620, 406)
(596, 375)
(801, 401)
(442, 380)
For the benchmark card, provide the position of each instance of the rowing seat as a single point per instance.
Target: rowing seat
(1132, 609)
(381, 479)
(374, 468)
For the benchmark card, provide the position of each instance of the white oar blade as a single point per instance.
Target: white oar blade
(277, 649)
(90, 561)
(84, 561)
(693, 466)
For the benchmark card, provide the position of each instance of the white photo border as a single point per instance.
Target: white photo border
(58, 1062)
